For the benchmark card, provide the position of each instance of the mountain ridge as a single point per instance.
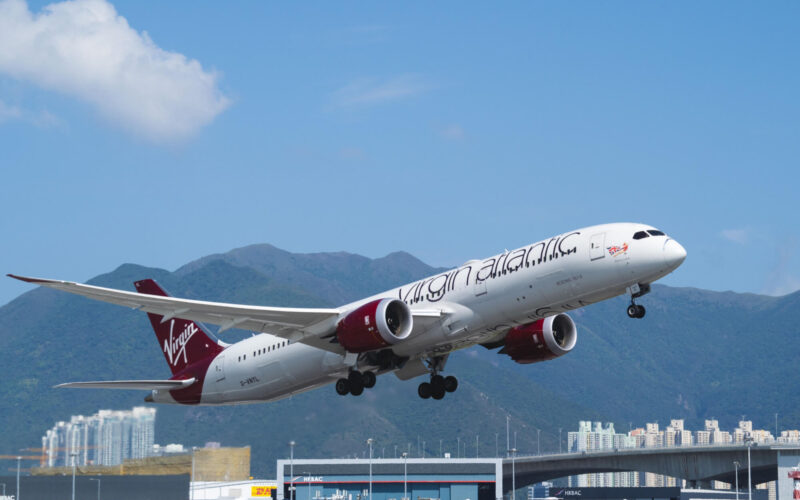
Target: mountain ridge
(697, 354)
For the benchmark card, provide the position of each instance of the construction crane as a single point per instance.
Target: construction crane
(63, 448)
(46, 451)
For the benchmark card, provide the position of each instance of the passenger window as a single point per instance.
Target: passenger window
(655, 232)
(639, 235)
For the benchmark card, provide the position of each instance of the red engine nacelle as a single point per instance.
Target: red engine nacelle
(375, 325)
(541, 340)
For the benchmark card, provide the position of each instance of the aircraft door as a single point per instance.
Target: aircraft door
(479, 288)
(597, 246)
(218, 368)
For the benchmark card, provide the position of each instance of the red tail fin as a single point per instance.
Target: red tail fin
(184, 342)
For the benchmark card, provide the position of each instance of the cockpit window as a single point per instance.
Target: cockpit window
(639, 235)
(655, 232)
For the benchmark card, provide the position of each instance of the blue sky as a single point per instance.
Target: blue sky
(166, 131)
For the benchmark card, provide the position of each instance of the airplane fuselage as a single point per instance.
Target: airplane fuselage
(482, 300)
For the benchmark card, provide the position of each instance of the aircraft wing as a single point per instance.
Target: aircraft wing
(296, 324)
(309, 326)
(130, 384)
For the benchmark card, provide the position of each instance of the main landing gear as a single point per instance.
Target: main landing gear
(636, 291)
(437, 387)
(355, 383)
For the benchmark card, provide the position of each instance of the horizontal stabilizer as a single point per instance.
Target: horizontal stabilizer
(146, 385)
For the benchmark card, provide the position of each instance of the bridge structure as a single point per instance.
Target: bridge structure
(699, 465)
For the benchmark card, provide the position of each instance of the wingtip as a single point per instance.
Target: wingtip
(22, 278)
(35, 281)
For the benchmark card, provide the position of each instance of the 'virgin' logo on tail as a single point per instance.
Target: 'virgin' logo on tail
(174, 347)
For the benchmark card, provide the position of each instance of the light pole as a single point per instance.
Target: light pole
(423, 450)
(736, 467)
(194, 448)
(513, 453)
(496, 453)
(308, 478)
(98, 485)
(749, 442)
(405, 476)
(508, 435)
(440, 449)
(458, 447)
(74, 456)
(18, 459)
(477, 446)
(291, 470)
(538, 447)
(559, 440)
(369, 442)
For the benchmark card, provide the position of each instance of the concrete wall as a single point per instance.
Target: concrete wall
(210, 464)
(111, 487)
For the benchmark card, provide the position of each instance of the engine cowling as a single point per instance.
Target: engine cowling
(375, 325)
(541, 340)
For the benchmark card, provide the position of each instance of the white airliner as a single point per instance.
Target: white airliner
(515, 300)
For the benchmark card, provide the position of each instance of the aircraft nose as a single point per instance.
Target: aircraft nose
(674, 253)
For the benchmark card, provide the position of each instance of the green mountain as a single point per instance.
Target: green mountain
(697, 354)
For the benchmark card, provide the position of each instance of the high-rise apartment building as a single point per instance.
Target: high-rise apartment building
(598, 437)
(106, 438)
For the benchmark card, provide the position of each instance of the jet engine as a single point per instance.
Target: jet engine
(375, 325)
(541, 340)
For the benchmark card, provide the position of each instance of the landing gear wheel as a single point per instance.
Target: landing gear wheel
(636, 311)
(450, 384)
(356, 390)
(437, 381)
(343, 387)
(424, 390)
(356, 380)
(368, 379)
(438, 392)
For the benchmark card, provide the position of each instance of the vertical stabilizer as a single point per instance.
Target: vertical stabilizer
(183, 342)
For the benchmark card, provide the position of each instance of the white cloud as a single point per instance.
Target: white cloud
(453, 132)
(43, 119)
(367, 91)
(84, 49)
(739, 236)
(8, 113)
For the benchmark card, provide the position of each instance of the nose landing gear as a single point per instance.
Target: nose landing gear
(635, 311)
(637, 290)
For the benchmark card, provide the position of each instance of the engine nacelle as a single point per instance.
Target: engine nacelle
(541, 340)
(375, 325)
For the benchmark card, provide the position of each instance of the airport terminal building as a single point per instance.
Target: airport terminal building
(391, 479)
